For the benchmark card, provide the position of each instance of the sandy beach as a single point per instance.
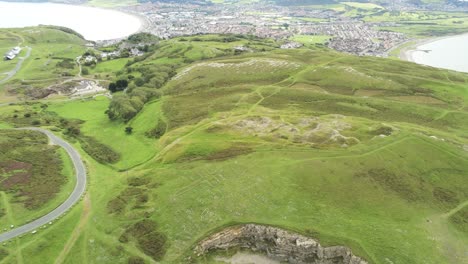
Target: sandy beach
(407, 52)
(144, 21)
(94, 23)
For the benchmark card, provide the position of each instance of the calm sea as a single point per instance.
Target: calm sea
(449, 53)
(92, 23)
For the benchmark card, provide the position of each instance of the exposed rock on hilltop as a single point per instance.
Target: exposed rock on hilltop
(278, 244)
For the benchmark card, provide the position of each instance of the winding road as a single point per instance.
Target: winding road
(80, 187)
(12, 73)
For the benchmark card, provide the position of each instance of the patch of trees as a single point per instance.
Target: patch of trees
(143, 38)
(89, 52)
(118, 86)
(85, 71)
(158, 131)
(124, 106)
(140, 90)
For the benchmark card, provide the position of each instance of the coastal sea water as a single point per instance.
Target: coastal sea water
(448, 53)
(92, 23)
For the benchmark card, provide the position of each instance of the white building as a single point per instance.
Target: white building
(12, 53)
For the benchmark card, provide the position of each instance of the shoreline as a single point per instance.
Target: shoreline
(406, 53)
(143, 22)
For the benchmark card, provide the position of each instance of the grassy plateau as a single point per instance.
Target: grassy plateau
(364, 152)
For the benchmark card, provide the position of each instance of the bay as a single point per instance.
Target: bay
(92, 23)
(448, 53)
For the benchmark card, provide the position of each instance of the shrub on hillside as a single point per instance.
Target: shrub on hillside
(151, 241)
(98, 151)
(3, 254)
(135, 260)
(158, 131)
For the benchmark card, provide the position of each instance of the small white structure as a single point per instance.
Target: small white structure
(12, 53)
(86, 88)
(113, 54)
(136, 52)
(90, 59)
(16, 50)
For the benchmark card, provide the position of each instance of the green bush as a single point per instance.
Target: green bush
(3, 254)
(149, 239)
(158, 131)
(98, 151)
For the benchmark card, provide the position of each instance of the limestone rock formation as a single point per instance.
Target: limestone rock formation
(277, 244)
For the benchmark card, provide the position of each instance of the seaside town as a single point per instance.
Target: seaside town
(262, 19)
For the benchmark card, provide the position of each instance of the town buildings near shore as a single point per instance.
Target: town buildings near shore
(168, 20)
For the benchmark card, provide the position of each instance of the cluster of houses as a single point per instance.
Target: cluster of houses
(12, 53)
(132, 52)
(90, 59)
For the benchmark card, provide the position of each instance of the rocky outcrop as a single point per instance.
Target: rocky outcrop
(277, 244)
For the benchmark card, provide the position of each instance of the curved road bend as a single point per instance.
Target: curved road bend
(80, 187)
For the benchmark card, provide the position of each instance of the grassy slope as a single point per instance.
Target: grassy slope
(375, 196)
(307, 189)
(49, 47)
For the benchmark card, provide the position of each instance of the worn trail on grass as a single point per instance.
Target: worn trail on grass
(77, 231)
(449, 242)
(80, 187)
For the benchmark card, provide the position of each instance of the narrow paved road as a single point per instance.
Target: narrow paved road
(80, 187)
(12, 73)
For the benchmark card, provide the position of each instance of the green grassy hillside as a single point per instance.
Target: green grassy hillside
(365, 152)
(51, 61)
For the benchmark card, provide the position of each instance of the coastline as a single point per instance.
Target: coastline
(406, 53)
(140, 22)
(144, 21)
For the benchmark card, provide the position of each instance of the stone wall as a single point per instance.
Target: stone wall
(277, 244)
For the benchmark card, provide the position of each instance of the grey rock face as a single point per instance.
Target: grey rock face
(278, 244)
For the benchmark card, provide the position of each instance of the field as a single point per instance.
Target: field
(364, 152)
(308, 39)
(365, 6)
(35, 177)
